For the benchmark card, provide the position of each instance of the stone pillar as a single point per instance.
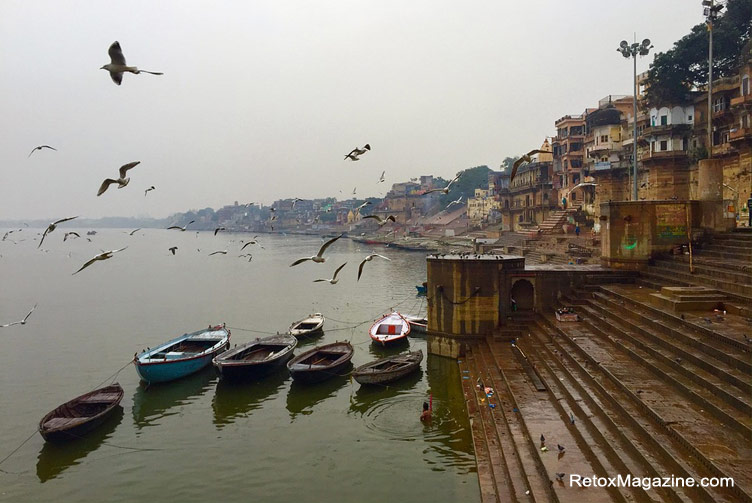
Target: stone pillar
(710, 194)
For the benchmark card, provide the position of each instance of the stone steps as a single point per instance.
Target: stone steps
(703, 268)
(674, 275)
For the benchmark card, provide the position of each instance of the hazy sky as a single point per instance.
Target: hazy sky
(262, 99)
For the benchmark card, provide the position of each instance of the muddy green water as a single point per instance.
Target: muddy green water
(199, 439)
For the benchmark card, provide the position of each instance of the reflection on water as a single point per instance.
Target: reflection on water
(153, 402)
(56, 457)
(310, 340)
(233, 400)
(302, 397)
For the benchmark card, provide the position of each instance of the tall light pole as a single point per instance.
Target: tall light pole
(710, 11)
(632, 51)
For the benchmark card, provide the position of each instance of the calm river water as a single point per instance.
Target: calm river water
(199, 439)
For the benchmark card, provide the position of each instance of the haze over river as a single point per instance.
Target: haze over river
(271, 441)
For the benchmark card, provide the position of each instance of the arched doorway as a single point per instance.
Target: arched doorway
(523, 295)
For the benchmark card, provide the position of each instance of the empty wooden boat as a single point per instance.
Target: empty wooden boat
(183, 355)
(390, 329)
(84, 413)
(388, 369)
(321, 362)
(418, 324)
(311, 325)
(256, 358)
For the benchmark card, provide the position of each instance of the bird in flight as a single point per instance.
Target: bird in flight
(318, 258)
(52, 227)
(368, 259)
(295, 201)
(381, 221)
(355, 153)
(102, 256)
(223, 252)
(117, 65)
(382, 177)
(525, 158)
(173, 249)
(456, 201)
(22, 322)
(249, 255)
(219, 229)
(65, 238)
(40, 147)
(134, 231)
(122, 181)
(357, 210)
(180, 228)
(147, 190)
(445, 190)
(334, 279)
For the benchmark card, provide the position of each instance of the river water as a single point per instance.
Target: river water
(199, 439)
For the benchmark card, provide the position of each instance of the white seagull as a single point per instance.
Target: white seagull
(122, 181)
(223, 252)
(456, 201)
(334, 280)
(525, 158)
(381, 221)
(180, 228)
(147, 190)
(65, 238)
(173, 249)
(445, 190)
(357, 210)
(102, 256)
(368, 259)
(117, 65)
(357, 152)
(40, 147)
(52, 227)
(22, 322)
(382, 177)
(318, 258)
(134, 231)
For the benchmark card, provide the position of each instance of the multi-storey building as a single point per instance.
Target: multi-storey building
(531, 196)
(568, 152)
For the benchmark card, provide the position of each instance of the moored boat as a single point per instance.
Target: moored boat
(183, 355)
(256, 358)
(389, 329)
(321, 362)
(311, 325)
(84, 413)
(418, 324)
(388, 369)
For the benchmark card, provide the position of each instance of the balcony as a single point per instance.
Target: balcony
(741, 100)
(665, 155)
(740, 134)
(608, 165)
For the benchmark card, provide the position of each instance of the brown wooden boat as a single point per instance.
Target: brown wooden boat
(321, 362)
(388, 369)
(84, 413)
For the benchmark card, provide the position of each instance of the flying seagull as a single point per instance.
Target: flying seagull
(122, 181)
(102, 256)
(456, 201)
(181, 228)
(65, 238)
(318, 258)
(525, 158)
(219, 229)
(134, 231)
(223, 252)
(251, 242)
(334, 279)
(23, 321)
(355, 153)
(381, 179)
(117, 65)
(52, 227)
(379, 220)
(354, 189)
(295, 201)
(445, 190)
(40, 147)
(357, 210)
(173, 249)
(368, 259)
(147, 190)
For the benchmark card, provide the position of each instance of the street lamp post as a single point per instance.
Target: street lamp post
(710, 11)
(632, 51)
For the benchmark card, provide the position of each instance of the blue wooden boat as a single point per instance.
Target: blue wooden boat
(183, 355)
(422, 289)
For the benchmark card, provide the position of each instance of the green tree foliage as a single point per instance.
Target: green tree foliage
(676, 72)
(471, 179)
(508, 162)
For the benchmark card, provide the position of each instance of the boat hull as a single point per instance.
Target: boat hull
(257, 358)
(77, 417)
(314, 376)
(322, 363)
(406, 365)
(171, 370)
(389, 330)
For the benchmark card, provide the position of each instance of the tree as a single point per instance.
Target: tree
(676, 72)
(471, 179)
(508, 162)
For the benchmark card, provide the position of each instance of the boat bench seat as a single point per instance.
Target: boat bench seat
(60, 422)
(389, 329)
(101, 397)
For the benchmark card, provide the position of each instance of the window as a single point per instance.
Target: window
(745, 121)
(745, 85)
(689, 118)
(664, 145)
(664, 120)
(604, 138)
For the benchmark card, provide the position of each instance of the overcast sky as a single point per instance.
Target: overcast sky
(261, 100)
